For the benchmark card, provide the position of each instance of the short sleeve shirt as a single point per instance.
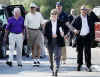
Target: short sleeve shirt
(33, 21)
(15, 25)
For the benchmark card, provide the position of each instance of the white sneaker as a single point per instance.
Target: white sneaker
(34, 62)
(38, 62)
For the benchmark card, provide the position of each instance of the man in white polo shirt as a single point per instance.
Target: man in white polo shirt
(33, 20)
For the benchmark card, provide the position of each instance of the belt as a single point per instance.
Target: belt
(33, 29)
(14, 33)
(85, 35)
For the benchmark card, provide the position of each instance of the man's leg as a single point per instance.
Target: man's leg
(51, 59)
(57, 58)
(79, 53)
(38, 54)
(38, 46)
(11, 48)
(63, 56)
(34, 54)
(88, 54)
(19, 43)
(33, 49)
(42, 52)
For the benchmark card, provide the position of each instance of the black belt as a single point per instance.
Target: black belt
(85, 35)
(33, 29)
(14, 33)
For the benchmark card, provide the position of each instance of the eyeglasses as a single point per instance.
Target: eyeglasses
(53, 14)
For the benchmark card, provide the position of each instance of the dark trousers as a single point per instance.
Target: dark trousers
(84, 45)
(54, 53)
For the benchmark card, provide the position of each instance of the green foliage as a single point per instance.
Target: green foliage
(89, 3)
(47, 5)
(94, 3)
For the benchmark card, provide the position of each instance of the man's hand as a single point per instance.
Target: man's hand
(54, 36)
(76, 31)
(62, 34)
(27, 33)
(5, 36)
(65, 37)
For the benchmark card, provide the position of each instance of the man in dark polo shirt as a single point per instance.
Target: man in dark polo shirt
(62, 16)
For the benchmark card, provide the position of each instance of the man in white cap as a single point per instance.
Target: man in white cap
(33, 20)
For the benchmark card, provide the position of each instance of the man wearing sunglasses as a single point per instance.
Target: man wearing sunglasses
(54, 32)
(84, 25)
(33, 20)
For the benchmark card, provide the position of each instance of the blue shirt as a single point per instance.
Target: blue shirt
(15, 25)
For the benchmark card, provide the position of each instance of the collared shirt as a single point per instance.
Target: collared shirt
(15, 25)
(54, 27)
(85, 28)
(33, 21)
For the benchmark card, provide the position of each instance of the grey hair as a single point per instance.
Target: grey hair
(16, 10)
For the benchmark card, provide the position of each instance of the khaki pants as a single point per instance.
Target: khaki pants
(34, 39)
(63, 52)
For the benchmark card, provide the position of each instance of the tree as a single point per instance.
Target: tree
(89, 3)
(47, 5)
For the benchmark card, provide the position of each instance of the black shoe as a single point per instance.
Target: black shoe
(19, 65)
(27, 55)
(79, 68)
(56, 72)
(51, 67)
(53, 74)
(38, 62)
(34, 63)
(89, 69)
(9, 63)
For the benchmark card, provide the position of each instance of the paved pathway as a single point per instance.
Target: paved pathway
(67, 70)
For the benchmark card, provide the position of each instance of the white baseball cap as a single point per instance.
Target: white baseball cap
(33, 5)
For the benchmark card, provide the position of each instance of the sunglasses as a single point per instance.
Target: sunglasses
(84, 9)
(33, 7)
(53, 14)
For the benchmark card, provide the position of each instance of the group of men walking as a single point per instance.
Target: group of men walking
(56, 31)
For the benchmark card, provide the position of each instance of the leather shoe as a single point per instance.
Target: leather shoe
(9, 63)
(56, 72)
(79, 68)
(53, 73)
(19, 65)
(51, 67)
(89, 69)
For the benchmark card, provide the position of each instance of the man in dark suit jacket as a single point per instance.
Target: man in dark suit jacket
(85, 32)
(54, 31)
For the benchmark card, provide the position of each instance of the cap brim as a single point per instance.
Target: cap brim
(84, 9)
(58, 5)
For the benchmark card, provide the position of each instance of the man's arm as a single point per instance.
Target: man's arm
(5, 35)
(73, 29)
